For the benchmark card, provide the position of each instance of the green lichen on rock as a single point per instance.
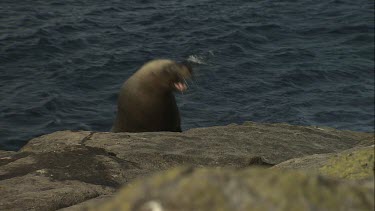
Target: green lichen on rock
(247, 189)
(356, 164)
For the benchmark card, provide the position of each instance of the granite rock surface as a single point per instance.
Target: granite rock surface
(70, 169)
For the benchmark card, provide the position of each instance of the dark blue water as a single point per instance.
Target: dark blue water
(308, 62)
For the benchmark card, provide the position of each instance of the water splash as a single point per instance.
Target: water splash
(196, 59)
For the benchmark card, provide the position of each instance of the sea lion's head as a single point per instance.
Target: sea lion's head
(176, 74)
(167, 75)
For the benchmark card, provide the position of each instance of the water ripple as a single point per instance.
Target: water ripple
(301, 62)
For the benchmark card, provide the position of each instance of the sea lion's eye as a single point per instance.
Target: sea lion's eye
(172, 68)
(171, 71)
(167, 72)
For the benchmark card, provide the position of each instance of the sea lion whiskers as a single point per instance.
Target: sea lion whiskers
(185, 82)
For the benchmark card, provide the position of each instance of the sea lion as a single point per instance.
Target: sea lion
(146, 102)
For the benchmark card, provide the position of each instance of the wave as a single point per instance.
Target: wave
(305, 62)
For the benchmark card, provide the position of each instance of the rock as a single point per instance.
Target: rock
(37, 192)
(89, 204)
(352, 164)
(355, 163)
(5, 156)
(311, 163)
(98, 163)
(247, 189)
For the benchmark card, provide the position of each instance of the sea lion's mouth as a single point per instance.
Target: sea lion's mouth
(180, 86)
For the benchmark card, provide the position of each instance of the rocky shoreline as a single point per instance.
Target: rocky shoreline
(234, 167)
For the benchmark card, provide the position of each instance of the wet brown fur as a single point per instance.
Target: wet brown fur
(146, 102)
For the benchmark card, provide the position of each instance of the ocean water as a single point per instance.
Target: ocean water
(308, 62)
